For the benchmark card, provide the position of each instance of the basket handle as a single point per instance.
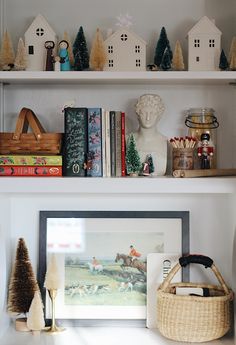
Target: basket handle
(25, 119)
(198, 259)
(22, 124)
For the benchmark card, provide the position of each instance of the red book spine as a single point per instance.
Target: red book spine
(123, 172)
(18, 170)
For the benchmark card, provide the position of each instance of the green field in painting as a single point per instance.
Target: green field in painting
(110, 290)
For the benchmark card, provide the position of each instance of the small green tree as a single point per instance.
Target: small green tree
(223, 65)
(23, 283)
(162, 43)
(150, 163)
(166, 60)
(133, 163)
(80, 46)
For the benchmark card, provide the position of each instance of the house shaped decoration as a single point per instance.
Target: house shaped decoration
(126, 51)
(35, 37)
(204, 46)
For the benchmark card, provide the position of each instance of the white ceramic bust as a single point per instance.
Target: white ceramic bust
(149, 109)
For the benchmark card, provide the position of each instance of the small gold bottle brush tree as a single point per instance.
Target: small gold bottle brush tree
(52, 283)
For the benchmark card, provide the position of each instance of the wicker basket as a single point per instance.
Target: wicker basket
(37, 142)
(194, 318)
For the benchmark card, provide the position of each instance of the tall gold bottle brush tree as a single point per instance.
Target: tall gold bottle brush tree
(52, 283)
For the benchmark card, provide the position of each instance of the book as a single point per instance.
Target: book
(108, 143)
(75, 142)
(30, 160)
(113, 142)
(95, 149)
(20, 170)
(123, 163)
(118, 143)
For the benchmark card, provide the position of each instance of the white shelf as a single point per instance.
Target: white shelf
(98, 336)
(142, 185)
(91, 77)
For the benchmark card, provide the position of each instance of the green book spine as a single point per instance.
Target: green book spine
(75, 142)
(30, 160)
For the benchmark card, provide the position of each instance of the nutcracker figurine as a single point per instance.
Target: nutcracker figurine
(205, 151)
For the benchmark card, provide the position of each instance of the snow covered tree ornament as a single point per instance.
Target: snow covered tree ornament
(98, 56)
(178, 60)
(133, 163)
(166, 60)
(35, 319)
(20, 63)
(23, 283)
(7, 55)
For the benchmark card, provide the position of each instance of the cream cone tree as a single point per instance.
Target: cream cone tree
(98, 55)
(178, 60)
(69, 49)
(35, 319)
(52, 278)
(20, 63)
(7, 55)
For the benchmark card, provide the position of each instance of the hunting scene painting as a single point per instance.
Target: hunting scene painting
(103, 260)
(113, 269)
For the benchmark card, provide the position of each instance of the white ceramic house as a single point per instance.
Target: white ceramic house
(36, 35)
(204, 46)
(126, 51)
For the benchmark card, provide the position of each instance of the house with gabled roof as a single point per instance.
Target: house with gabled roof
(126, 51)
(35, 37)
(204, 46)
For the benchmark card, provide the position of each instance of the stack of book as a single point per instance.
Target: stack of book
(94, 143)
(31, 165)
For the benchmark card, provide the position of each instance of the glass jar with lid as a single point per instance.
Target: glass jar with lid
(199, 121)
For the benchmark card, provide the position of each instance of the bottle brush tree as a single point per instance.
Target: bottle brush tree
(80, 49)
(133, 163)
(162, 44)
(223, 65)
(20, 63)
(23, 283)
(7, 55)
(98, 56)
(232, 50)
(166, 60)
(178, 60)
(35, 319)
(150, 163)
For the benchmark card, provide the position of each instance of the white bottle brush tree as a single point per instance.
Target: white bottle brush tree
(21, 57)
(23, 283)
(35, 320)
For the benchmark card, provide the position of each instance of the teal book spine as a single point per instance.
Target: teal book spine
(75, 142)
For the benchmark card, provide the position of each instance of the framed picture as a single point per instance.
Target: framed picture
(102, 260)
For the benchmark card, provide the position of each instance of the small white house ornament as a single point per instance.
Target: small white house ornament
(126, 51)
(204, 46)
(35, 37)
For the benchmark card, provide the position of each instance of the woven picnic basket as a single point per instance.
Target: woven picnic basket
(194, 318)
(35, 142)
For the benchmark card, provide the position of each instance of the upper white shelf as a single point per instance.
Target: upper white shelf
(92, 77)
(142, 185)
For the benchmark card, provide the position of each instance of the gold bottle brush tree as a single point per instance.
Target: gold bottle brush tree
(52, 283)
